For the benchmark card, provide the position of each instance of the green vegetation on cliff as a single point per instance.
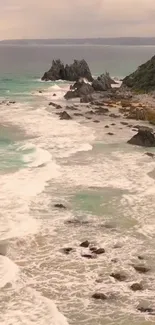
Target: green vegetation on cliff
(143, 79)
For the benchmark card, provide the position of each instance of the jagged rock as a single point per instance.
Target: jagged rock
(59, 206)
(144, 138)
(85, 244)
(69, 72)
(143, 79)
(102, 83)
(65, 116)
(83, 89)
(55, 105)
(118, 276)
(141, 268)
(136, 287)
(99, 296)
(101, 110)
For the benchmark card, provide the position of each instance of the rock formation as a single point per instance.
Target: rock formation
(79, 69)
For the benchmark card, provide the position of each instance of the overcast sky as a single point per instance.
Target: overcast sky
(76, 18)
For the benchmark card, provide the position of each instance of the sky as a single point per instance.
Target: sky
(76, 18)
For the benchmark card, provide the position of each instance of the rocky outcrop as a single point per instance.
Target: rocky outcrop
(143, 79)
(79, 69)
(102, 83)
(144, 138)
(136, 287)
(79, 90)
(65, 116)
(118, 276)
(99, 296)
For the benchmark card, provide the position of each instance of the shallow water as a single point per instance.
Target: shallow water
(108, 188)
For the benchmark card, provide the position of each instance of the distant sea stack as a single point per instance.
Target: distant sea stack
(143, 79)
(78, 69)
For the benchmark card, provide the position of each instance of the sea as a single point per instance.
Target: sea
(106, 185)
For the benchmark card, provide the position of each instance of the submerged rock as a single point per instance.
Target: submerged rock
(59, 206)
(136, 287)
(65, 116)
(89, 256)
(78, 69)
(141, 268)
(118, 276)
(150, 154)
(144, 138)
(67, 250)
(99, 296)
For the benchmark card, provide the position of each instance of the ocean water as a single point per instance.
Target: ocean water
(107, 186)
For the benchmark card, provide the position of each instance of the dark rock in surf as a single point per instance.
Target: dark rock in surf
(54, 95)
(3, 247)
(114, 115)
(65, 116)
(150, 154)
(59, 206)
(83, 89)
(85, 244)
(96, 121)
(106, 126)
(55, 105)
(67, 250)
(136, 287)
(141, 268)
(145, 309)
(79, 69)
(99, 296)
(99, 251)
(118, 276)
(89, 256)
(144, 138)
(110, 133)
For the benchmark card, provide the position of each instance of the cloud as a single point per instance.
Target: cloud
(76, 18)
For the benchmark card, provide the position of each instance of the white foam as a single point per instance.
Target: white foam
(8, 271)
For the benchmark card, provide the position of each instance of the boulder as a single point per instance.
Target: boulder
(55, 105)
(78, 69)
(65, 116)
(144, 138)
(143, 79)
(85, 244)
(146, 309)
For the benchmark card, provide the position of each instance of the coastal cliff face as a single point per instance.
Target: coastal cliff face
(143, 79)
